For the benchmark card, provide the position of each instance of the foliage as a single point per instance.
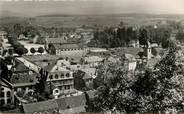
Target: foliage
(40, 49)
(32, 50)
(154, 90)
(116, 37)
(180, 35)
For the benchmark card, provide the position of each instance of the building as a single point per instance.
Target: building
(60, 46)
(93, 61)
(68, 49)
(46, 107)
(49, 41)
(59, 74)
(21, 78)
(73, 104)
(6, 95)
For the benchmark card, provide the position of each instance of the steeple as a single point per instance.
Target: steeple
(148, 50)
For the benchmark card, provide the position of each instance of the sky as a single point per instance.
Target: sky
(44, 7)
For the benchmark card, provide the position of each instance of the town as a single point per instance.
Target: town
(123, 68)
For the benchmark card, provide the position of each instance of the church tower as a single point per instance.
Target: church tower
(148, 50)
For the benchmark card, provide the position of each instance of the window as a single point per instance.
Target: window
(8, 94)
(2, 101)
(68, 87)
(2, 89)
(56, 91)
(2, 94)
(62, 75)
(67, 75)
(51, 77)
(9, 101)
(56, 76)
(65, 87)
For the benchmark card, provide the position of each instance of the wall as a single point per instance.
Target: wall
(6, 96)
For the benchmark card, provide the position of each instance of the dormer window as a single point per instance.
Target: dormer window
(67, 74)
(62, 75)
(51, 77)
(56, 76)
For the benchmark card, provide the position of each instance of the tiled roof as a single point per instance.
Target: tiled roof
(71, 103)
(88, 72)
(40, 106)
(93, 59)
(24, 78)
(67, 46)
(128, 50)
(19, 66)
(45, 57)
(48, 68)
(56, 40)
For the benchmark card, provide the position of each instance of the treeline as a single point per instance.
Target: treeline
(111, 37)
(18, 47)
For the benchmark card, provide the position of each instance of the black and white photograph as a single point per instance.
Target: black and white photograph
(92, 56)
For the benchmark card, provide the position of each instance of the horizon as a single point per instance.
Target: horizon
(92, 7)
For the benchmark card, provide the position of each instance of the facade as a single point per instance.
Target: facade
(6, 94)
(21, 79)
(68, 49)
(59, 75)
(49, 41)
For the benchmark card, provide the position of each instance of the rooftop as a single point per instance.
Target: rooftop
(127, 50)
(45, 57)
(93, 59)
(56, 40)
(98, 50)
(24, 79)
(40, 106)
(67, 46)
(73, 103)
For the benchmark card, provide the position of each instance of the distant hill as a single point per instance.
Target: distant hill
(119, 15)
(11, 14)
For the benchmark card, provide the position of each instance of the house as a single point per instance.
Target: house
(99, 52)
(46, 107)
(6, 93)
(21, 78)
(59, 74)
(49, 41)
(93, 60)
(68, 49)
(38, 62)
(83, 78)
(73, 104)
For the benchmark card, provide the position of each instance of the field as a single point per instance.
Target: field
(90, 20)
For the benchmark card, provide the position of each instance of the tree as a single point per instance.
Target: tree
(20, 50)
(32, 50)
(152, 91)
(180, 36)
(144, 37)
(41, 50)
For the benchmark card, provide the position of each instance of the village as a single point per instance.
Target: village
(62, 74)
